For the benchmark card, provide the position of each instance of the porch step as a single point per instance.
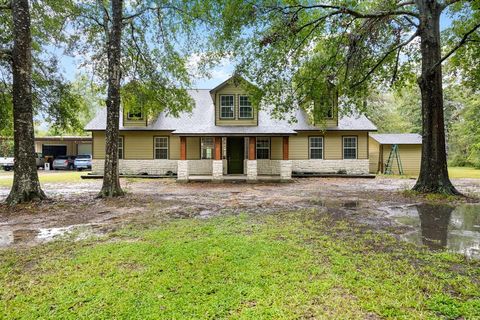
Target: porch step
(296, 174)
(139, 176)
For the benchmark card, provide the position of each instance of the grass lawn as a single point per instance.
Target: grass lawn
(6, 178)
(464, 172)
(453, 172)
(283, 266)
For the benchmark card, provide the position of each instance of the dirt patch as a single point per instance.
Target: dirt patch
(73, 206)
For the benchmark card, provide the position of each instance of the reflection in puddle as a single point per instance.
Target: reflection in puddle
(9, 237)
(443, 227)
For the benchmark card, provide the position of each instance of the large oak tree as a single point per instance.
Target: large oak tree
(31, 85)
(296, 50)
(141, 50)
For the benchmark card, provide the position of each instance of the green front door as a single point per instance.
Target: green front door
(235, 150)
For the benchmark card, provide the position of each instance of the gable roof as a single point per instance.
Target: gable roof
(201, 121)
(397, 138)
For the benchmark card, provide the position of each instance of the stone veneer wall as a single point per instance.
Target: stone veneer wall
(200, 167)
(268, 167)
(159, 167)
(353, 166)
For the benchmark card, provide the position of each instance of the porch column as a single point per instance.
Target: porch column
(285, 148)
(285, 164)
(252, 144)
(183, 148)
(217, 163)
(182, 164)
(251, 162)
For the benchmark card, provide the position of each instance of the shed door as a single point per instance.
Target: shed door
(84, 148)
(54, 151)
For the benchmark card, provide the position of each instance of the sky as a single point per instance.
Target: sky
(69, 66)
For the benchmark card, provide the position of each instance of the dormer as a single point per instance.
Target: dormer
(134, 118)
(323, 110)
(233, 105)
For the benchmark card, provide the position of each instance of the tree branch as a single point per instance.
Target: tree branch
(385, 56)
(6, 6)
(458, 46)
(346, 10)
(6, 54)
(448, 3)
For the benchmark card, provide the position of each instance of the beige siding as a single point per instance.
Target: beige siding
(374, 150)
(298, 147)
(410, 155)
(276, 148)
(139, 145)
(193, 148)
(231, 89)
(333, 144)
(98, 144)
(134, 123)
(174, 147)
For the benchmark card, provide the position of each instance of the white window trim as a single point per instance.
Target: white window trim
(316, 148)
(202, 147)
(221, 106)
(240, 106)
(155, 148)
(263, 148)
(350, 148)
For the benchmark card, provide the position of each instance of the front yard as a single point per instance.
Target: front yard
(314, 248)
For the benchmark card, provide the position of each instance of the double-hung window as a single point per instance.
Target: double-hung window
(245, 108)
(316, 147)
(120, 147)
(263, 148)
(349, 147)
(208, 147)
(161, 147)
(227, 107)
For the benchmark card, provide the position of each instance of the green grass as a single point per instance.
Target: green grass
(453, 172)
(463, 172)
(283, 266)
(6, 178)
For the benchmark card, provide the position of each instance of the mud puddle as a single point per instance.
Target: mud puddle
(9, 237)
(441, 227)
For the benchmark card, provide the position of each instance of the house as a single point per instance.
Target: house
(225, 135)
(409, 150)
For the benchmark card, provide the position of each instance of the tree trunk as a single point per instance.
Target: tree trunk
(26, 186)
(111, 181)
(433, 171)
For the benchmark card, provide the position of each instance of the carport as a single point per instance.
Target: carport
(54, 146)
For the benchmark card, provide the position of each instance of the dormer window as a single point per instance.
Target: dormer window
(134, 115)
(245, 110)
(330, 112)
(227, 106)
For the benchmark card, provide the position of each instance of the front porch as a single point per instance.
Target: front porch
(236, 158)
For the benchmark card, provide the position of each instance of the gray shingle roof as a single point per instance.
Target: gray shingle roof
(201, 121)
(397, 138)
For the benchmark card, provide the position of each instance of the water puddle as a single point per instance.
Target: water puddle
(441, 226)
(9, 237)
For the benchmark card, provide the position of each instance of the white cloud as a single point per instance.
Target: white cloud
(206, 79)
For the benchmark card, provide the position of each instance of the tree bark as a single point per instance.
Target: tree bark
(433, 171)
(26, 186)
(111, 181)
